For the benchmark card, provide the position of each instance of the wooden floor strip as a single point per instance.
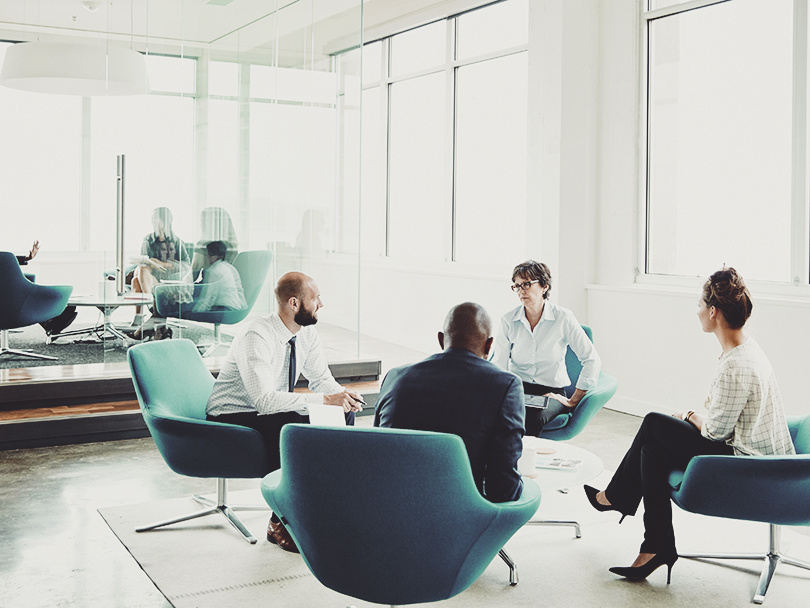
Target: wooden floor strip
(68, 410)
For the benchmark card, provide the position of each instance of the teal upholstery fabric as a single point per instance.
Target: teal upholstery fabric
(566, 426)
(173, 386)
(24, 302)
(770, 489)
(253, 268)
(388, 515)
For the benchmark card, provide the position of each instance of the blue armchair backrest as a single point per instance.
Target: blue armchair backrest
(573, 365)
(23, 302)
(253, 268)
(170, 379)
(800, 433)
(412, 526)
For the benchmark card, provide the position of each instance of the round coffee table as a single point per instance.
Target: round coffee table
(107, 306)
(555, 479)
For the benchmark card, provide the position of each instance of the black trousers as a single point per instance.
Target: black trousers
(536, 418)
(269, 427)
(663, 444)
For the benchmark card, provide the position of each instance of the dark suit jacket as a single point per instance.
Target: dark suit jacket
(459, 393)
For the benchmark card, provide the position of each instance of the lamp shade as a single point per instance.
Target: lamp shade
(74, 69)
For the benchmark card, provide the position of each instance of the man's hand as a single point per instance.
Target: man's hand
(348, 400)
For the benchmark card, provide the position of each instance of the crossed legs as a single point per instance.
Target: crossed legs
(663, 444)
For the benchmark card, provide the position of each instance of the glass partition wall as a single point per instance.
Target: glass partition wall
(246, 149)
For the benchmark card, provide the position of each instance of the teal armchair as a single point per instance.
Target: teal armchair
(26, 303)
(173, 385)
(253, 268)
(770, 489)
(566, 426)
(389, 516)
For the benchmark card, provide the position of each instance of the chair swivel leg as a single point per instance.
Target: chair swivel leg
(513, 573)
(772, 559)
(221, 506)
(552, 522)
(5, 350)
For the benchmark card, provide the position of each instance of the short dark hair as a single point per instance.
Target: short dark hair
(534, 271)
(726, 291)
(467, 326)
(217, 248)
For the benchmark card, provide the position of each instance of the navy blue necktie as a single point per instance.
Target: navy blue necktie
(293, 375)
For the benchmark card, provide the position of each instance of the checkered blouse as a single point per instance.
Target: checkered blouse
(744, 405)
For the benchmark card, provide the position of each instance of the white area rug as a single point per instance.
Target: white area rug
(206, 563)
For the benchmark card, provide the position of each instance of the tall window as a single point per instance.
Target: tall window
(720, 139)
(58, 160)
(444, 140)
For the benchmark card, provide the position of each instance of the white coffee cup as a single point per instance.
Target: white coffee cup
(527, 461)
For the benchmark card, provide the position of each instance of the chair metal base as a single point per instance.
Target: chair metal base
(218, 506)
(772, 559)
(5, 350)
(217, 343)
(554, 522)
(513, 573)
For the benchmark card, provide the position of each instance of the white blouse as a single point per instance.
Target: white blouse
(539, 356)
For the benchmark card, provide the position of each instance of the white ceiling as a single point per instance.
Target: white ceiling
(319, 26)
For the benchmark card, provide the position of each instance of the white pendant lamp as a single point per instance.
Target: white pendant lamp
(74, 69)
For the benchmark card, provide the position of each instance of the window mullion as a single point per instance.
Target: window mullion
(450, 133)
(799, 192)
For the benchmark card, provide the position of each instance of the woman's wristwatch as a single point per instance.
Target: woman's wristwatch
(686, 415)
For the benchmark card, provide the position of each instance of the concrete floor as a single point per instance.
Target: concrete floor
(58, 552)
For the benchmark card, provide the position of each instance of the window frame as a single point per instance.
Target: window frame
(450, 69)
(800, 229)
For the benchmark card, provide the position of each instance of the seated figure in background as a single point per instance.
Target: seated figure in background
(221, 285)
(215, 225)
(161, 242)
(58, 324)
(458, 391)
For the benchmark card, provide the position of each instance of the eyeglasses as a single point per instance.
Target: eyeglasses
(523, 286)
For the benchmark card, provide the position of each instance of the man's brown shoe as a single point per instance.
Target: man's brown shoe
(277, 534)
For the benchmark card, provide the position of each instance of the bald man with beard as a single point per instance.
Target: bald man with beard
(458, 391)
(254, 387)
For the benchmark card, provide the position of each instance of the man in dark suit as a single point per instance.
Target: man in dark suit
(458, 391)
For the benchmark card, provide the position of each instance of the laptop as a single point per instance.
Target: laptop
(326, 415)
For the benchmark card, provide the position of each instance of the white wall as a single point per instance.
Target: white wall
(584, 186)
(648, 336)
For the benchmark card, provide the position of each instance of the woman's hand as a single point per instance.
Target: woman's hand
(693, 418)
(569, 403)
(562, 399)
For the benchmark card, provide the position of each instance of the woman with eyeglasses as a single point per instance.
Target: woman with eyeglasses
(532, 343)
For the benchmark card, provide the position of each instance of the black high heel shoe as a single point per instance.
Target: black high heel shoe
(591, 494)
(642, 572)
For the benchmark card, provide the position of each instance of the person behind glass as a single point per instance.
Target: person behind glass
(221, 285)
(744, 417)
(532, 343)
(58, 323)
(152, 268)
(215, 225)
(255, 386)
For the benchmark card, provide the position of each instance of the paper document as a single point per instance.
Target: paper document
(326, 415)
(564, 464)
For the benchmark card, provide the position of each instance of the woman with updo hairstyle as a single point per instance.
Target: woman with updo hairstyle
(744, 416)
(532, 343)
